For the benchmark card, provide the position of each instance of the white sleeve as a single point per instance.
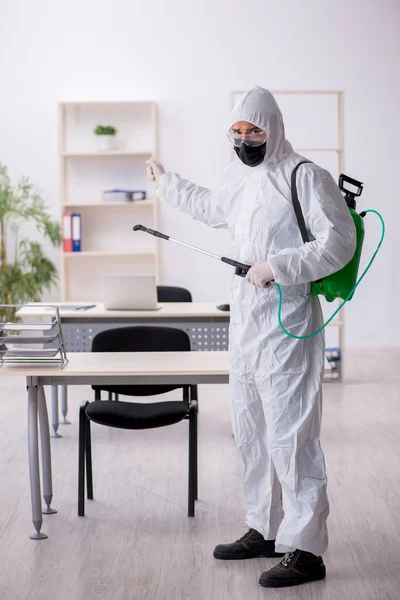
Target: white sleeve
(330, 223)
(200, 203)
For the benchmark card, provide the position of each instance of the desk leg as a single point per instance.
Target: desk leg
(34, 475)
(54, 411)
(46, 452)
(64, 404)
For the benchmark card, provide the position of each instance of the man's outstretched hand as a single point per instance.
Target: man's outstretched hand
(154, 170)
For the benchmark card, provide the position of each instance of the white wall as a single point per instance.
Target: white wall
(188, 56)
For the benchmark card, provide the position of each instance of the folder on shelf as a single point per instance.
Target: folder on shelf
(123, 195)
(333, 354)
(76, 232)
(333, 357)
(67, 232)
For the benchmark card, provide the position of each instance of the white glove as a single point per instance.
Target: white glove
(260, 274)
(154, 169)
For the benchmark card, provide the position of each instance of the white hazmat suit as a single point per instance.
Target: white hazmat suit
(276, 380)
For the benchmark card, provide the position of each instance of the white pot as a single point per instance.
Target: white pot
(105, 143)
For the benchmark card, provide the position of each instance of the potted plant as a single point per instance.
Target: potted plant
(105, 136)
(25, 271)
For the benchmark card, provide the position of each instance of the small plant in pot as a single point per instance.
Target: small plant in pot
(105, 136)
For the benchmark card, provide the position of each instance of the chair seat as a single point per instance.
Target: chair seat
(134, 415)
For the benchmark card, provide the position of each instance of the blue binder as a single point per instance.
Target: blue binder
(76, 232)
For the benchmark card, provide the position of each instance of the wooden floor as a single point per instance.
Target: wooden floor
(136, 542)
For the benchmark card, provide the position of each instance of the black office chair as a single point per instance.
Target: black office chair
(169, 293)
(134, 415)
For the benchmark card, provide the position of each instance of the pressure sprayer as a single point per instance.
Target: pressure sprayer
(341, 284)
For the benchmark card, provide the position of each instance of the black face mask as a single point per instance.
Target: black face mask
(251, 155)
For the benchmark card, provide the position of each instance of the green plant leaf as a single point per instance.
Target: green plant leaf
(105, 130)
(30, 273)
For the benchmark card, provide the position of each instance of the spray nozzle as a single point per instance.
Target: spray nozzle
(351, 188)
(150, 231)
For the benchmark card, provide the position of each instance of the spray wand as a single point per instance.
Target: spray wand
(240, 268)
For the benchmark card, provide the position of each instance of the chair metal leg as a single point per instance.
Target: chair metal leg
(194, 395)
(110, 396)
(196, 488)
(195, 403)
(116, 397)
(97, 395)
(81, 461)
(192, 461)
(88, 452)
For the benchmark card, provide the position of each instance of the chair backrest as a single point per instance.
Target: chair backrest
(169, 293)
(141, 338)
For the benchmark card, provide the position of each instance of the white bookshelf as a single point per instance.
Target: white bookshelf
(109, 244)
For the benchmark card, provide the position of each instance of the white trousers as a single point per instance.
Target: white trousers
(284, 468)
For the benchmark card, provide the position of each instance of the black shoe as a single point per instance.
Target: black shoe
(251, 545)
(297, 567)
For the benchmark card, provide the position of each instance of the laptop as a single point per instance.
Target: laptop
(129, 292)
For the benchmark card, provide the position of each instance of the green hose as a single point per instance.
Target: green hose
(310, 335)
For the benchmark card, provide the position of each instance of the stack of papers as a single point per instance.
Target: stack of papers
(123, 195)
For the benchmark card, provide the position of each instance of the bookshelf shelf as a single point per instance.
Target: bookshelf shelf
(111, 154)
(136, 204)
(97, 253)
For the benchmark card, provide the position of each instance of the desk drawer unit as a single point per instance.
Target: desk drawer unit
(205, 335)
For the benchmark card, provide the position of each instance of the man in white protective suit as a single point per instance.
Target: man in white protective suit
(275, 380)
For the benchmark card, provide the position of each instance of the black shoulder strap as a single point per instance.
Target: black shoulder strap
(296, 203)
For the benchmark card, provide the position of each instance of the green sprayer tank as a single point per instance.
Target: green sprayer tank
(341, 283)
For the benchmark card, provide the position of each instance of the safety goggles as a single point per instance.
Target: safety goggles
(255, 137)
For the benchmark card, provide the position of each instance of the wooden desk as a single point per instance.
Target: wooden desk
(92, 369)
(206, 326)
(168, 310)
